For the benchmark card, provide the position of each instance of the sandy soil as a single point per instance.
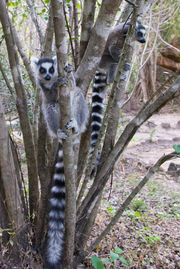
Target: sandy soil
(155, 138)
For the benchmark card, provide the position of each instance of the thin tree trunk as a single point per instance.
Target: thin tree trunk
(87, 24)
(128, 200)
(113, 115)
(35, 21)
(9, 178)
(48, 40)
(96, 43)
(22, 109)
(106, 168)
(76, 33)
(68, 155)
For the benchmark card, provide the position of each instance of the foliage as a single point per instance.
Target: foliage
(114, 256)
(176, 148)
(20, 14)
(148, 237)
(138, 205)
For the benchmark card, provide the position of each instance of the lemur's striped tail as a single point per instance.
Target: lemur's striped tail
(55, 236)
(97, 108)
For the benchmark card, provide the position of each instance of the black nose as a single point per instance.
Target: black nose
(143, 40)
(47, 77)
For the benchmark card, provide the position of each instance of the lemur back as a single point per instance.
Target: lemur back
(46, 71)
(106, 72)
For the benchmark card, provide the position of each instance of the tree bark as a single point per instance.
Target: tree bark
(35, 21)
(22, 109)
(96, 43)
(9, 178)
(76, 34)
(87, 24)
(68, 155)
(118, 89)
(128, 200)
(120, 83)
(106, 168)
(48, 40)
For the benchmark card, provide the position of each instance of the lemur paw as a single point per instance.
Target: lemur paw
(71, 125)
(62, 80)
(68, 68)
(61, 134)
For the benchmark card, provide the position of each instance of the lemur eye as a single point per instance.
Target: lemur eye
(51, 70)
(42, 70)
(140, 34)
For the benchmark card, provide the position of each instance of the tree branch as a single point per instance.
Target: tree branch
(11, 90)
(35, 21)
(106, 168)
(113, 114)
(128, 200)
(87, 24)
(96, 43)
(48, 39)
(69, 33)
(9, 179)
(22, 109)
(65, 109)
(76, 33)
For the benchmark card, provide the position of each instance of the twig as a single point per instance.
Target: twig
(128, 200)
(7, 82)
(69, 33)
(107, 166)
(76, 41)
(131, 3)
(35, 21)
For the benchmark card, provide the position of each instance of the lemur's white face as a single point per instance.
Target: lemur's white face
(46, 69)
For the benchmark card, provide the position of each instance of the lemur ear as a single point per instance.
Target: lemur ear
(55, 59)
(34, 60)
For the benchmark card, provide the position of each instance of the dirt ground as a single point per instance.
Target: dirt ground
(155, 138)
(148, 233)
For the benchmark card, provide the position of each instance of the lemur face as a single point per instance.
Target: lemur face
(140, 32)
(46, 68)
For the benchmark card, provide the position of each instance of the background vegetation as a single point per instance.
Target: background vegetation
(27, 154)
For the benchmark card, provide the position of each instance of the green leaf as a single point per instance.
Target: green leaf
(176, 148)
(47, 1)
(114, 256)
(118, 250)
(137, 214)
(24, 16)
(68, 26)
(78, 5)
(97, 263)
(106, 260)
(123, 260)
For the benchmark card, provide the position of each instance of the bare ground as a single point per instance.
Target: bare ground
(148, 233)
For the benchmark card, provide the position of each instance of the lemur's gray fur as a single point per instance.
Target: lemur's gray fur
(106, 72)
(47, 74)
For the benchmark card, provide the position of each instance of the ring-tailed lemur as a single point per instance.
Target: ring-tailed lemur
(47, 74)
(105, 74)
